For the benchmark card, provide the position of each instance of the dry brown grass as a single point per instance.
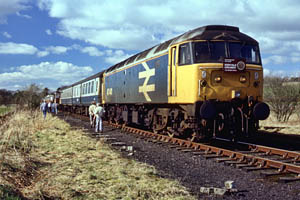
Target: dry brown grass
(290, 127)
(49, 159)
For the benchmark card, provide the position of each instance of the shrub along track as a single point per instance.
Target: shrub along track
(188, 162)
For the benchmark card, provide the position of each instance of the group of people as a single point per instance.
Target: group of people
(48, 106)
(96, 112)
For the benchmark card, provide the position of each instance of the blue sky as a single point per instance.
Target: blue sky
(57, 42)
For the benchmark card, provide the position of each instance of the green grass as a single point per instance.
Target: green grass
(8, 193)
(4, 110)
(67, 164)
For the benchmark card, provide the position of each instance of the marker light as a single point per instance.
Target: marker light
(256, 76)
(243, 79)
(203, 74)
(218, 79)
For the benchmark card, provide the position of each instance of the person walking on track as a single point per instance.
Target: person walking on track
(99, 113)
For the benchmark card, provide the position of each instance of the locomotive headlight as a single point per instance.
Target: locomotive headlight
(256, 76)
(243, 79)
(241, 65)
(218, 79)
(203, 74)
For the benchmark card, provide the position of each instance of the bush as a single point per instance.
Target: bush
(282, 96)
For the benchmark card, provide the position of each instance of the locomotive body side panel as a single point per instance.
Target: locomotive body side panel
(145, 82)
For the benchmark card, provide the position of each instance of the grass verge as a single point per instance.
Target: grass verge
(4, 110)
(47, 159)
(290, 127)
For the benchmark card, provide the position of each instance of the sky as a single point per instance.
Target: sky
(53, 43)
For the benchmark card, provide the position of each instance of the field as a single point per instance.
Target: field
(4, 109)
(290, 127)
(47, 159)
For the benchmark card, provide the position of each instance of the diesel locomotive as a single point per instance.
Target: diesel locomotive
(206, 82)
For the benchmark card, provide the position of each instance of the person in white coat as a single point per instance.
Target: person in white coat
(92, 108)
(99, 113)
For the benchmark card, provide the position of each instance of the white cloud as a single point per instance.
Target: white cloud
(266, 72)
(6, 34)
(113, 57)
(49, 32)
(57, 49)
(43, 53)
(14, 48)
(20, 48)
(276, 59)
(8, 7)
(52, 75)
(139, 25)
(92, 51)
(25, 16)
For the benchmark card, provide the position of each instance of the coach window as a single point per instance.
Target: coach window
(184, 54)
(96, 86)
(92, 90)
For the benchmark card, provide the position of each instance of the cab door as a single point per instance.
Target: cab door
(172, 72)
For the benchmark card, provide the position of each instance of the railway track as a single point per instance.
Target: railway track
(250, 157)
(271, 161)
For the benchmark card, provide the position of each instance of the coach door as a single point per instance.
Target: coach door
(172, 72)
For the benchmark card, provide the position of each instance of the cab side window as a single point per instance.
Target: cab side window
(184, 54)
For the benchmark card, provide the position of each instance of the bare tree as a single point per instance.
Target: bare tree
(19, 98)
(32, 96)
(5, 97)
(282, 97)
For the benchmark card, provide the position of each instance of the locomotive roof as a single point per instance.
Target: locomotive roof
(210, 32)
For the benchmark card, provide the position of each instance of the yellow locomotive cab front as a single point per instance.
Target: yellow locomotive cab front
(216, 81)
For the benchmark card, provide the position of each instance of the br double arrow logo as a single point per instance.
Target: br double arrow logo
(145, 88)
